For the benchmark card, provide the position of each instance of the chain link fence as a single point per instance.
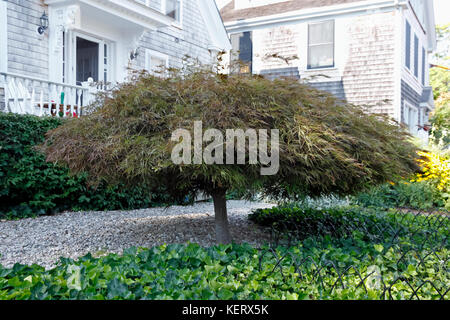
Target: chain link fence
(417, 243)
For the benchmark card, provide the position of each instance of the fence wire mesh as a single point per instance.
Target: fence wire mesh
(426, 251)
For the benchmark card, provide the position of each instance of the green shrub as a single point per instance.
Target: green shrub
(29, 186)
(417, 195)
(291, 221)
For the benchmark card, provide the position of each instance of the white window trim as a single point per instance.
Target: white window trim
(176, 23)
(408, 105)
(152, 53)
(3, 36)
(71, 72)
(308, 54)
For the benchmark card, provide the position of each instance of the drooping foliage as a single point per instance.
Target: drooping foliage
(326, 145)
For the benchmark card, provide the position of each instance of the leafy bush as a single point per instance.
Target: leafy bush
(400, 261)
(418, 195)
(29, 186)
(302, 222)
(440, 132)
(428, 189)
(436, 171)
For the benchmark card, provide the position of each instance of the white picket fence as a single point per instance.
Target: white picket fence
(29, 95)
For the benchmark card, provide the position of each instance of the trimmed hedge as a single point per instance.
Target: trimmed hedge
(29, 186)
(292, 221)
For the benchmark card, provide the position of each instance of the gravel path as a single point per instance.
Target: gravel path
(72, 235)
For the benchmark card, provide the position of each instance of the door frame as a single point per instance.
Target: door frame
(71, 56)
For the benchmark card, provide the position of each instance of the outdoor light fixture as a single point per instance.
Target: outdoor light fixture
(134, 54)
(44, 23)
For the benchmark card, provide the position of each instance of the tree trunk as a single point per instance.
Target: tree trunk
(223, 235)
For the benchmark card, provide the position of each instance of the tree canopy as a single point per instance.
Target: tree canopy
(325, 144)
(441, 121)
(440, 81)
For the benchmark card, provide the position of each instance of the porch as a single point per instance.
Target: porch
(29, 95)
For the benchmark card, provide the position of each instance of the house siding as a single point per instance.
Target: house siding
(334, 87)
(364, 66)
(368, 77)
(193, 39)
(289, 72)
(27, 50)
(282, 41)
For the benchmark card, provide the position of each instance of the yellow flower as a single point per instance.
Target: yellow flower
(435, 169)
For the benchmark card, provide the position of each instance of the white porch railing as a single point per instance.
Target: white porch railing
(29, 95)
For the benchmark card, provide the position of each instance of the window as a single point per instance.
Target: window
(411, 117)
(416, 56)
(424, 57)
(172, 8)
(408, 45)
(321, 45)
(242, 51)
(155, 62)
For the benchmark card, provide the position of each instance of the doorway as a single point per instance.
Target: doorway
(87, 57)
(87, 64)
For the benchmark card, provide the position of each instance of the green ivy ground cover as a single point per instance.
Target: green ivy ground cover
(411, 261)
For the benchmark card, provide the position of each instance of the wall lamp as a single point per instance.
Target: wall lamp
(43, 23)
(134, 54)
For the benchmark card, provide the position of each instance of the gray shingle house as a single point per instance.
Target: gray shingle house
(52, 52)
(370, 52)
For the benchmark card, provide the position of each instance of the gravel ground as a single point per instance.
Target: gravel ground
(72, 235)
